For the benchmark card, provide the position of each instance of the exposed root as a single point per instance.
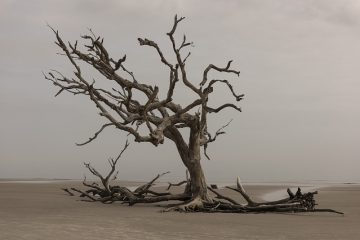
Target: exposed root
(194, 205)
(296, 202)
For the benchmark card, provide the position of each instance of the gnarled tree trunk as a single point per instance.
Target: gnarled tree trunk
(191, 156)
(198, 181)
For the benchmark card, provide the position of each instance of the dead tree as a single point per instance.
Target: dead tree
(161, 118)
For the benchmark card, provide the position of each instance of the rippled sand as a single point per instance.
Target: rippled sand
(42, 211)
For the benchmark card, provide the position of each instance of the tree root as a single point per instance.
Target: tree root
(298, 202)
(217, 202)
(194, 205)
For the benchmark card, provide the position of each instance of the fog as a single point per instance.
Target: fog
(299, 63)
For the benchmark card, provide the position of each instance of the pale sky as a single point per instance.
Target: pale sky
(299, 63)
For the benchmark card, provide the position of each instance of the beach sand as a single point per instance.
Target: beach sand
(42, 211)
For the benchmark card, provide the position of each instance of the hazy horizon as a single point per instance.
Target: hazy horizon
(299, 64)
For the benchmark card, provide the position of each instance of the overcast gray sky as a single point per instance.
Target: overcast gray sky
(299, 63)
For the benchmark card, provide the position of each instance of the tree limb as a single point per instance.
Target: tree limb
(219, 69)
(96, 134)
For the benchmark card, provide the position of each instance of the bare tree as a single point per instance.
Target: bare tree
(160, 118)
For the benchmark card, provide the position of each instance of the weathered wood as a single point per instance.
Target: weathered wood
(161, 119)
(299, 202)
(67, 191)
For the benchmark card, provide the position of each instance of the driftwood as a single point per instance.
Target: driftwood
(108, 193)
(296, 202)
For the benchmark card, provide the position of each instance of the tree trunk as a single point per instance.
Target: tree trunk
(198, 182)
(191, 156)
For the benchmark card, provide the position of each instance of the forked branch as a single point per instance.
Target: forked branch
(219, 69)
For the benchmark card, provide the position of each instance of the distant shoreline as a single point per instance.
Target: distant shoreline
(309, 183)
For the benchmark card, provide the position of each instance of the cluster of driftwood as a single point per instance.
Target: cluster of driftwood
(106, 193)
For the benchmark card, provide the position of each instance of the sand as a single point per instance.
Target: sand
(41, 211)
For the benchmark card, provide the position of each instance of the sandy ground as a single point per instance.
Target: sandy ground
(41, 211)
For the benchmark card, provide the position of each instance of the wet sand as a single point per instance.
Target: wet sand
(42, 211)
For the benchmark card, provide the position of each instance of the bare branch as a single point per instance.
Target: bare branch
(186, 57)
(95, 135)
(176, 184)
(67, 191)
(238, 97)
(212, 139)
(150, 43)
(93, 185)
(62, 45)
(105, 180)
(241, 190)
(144, 188)
(181, 62)
(212, 66)
(122, 151)
(176, 21)
(226, 105)
(221, 196)
(85, 194)
(185, 44)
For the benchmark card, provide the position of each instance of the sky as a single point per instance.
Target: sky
(299, 63)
